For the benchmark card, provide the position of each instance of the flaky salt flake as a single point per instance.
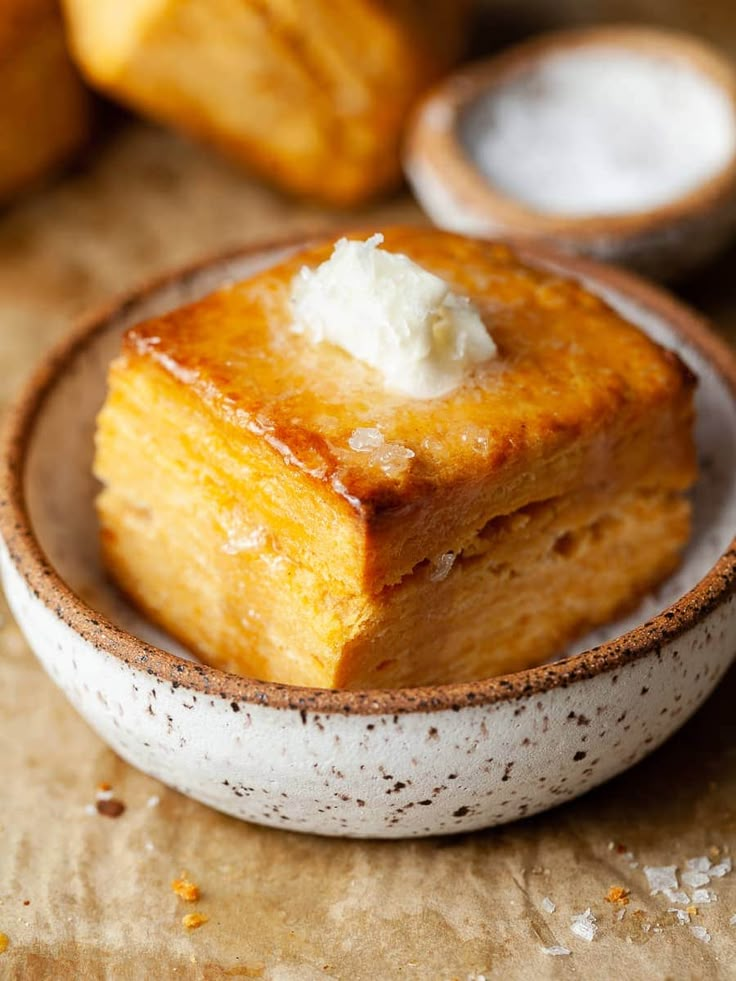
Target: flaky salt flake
(584, 925)
(547, 905)
(442, 567)
(661, 877)
(392, 458)
(556, 951)
(247, 542)
(153, 801)
(701, 863)
(700, 933)
(695, 879)
(723, 868)
(90, 809)
(619, 914)
(676, 896)
(732, 921)
(477, 439)
(682, 915)
(702, 896)
(364, 439)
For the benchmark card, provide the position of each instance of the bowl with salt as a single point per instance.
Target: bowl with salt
(614, 142)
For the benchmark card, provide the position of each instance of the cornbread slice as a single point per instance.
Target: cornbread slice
(273, 507)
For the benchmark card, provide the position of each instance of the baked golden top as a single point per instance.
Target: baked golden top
(576, 397)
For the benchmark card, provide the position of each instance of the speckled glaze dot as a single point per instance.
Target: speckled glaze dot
(389, 764)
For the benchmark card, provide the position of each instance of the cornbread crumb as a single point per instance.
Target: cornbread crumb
(4, 942)
(193, 921)
(186, 890)
(110, 807)
(619, 895)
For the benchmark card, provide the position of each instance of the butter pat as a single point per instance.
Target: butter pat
(385, 310)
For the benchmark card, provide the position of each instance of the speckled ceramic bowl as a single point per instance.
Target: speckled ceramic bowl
(664, 241)
(374, 763)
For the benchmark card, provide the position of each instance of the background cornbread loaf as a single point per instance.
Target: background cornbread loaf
(312, 96)
(44, 109)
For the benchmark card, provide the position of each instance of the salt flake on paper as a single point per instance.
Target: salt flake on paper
(699, 864)
(723, 868)
(682, 915)
(556, 951)
(695, 879)
(584, 925)
(661, 877)
(677, 896)
(703, 896)
(700, 933)
(547, 905)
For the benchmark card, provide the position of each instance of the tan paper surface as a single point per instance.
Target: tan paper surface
(283, 906)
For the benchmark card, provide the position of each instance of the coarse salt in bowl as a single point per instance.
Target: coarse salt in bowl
(614, 142)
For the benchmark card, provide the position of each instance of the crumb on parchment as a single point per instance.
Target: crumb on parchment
(618, 895)
(193, 921)
(109, 807)
(185, 889)
(4, 942)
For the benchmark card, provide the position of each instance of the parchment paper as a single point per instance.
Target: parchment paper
(87, 896)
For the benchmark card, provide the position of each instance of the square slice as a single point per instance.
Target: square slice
(272, 506)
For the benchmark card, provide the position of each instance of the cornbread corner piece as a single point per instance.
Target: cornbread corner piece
(44, 108)
(272, 506)
(312, 96)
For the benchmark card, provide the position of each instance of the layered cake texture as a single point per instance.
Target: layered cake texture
(271, 501)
